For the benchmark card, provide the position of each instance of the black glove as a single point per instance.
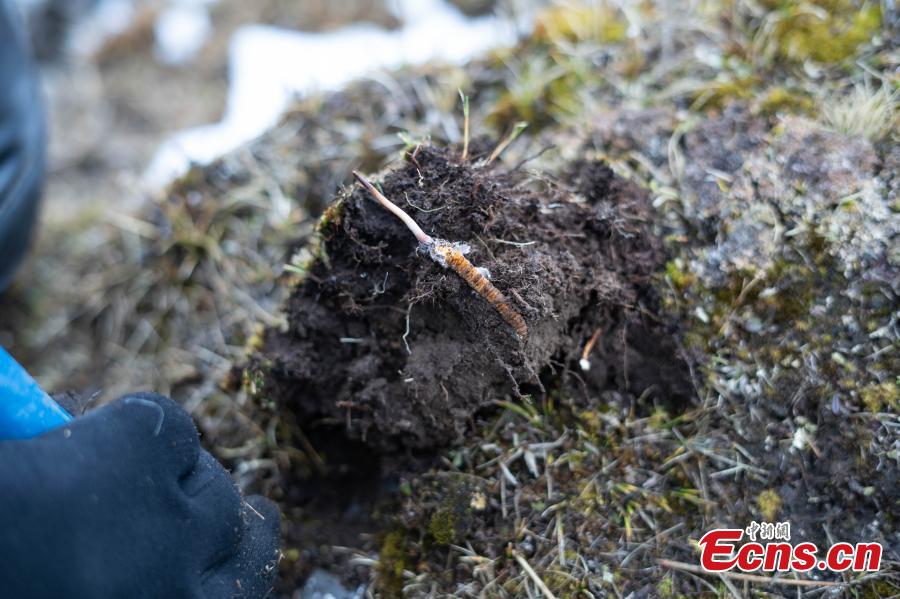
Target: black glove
(123, 502)
(21, 143)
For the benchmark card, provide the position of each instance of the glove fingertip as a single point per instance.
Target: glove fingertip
(164, 423)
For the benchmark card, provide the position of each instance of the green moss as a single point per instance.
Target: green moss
(769, 503)
(831, 34)
(780, 99)
(666, 588)
(878, 397)
(592, 422)
(879, 588)
(722, 91)
(391, 564)
(796, 286)
(678, 275)
(659, 418)
(332, 215)
(406, 488)
(442, 526)
(580, 22)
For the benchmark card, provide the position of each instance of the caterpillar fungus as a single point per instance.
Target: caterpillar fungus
(452, 255)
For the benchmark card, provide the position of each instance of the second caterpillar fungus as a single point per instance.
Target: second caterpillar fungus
(452, 255)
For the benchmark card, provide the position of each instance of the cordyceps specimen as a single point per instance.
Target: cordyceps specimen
(451, 255)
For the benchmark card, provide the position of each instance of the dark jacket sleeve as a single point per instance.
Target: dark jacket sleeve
(21, 142)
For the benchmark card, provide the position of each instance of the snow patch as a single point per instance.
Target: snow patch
(269, 67)
(181, 30)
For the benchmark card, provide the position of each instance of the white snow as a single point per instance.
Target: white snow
(268, 67)
(181, 30)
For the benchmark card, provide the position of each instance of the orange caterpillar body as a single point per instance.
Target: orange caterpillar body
(460, 264)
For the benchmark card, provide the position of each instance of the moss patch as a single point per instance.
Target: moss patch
(825, 31)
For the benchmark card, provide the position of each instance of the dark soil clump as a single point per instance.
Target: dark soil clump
(402, 353)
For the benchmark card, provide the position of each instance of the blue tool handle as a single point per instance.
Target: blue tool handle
(25, 409)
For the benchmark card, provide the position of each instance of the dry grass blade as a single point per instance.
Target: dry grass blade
(548, 594)
(674, 565)
(517, 130)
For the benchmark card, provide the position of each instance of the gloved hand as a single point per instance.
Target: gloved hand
(21, 142)
(123, 502)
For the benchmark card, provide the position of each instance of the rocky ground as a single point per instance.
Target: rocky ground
(699, 226)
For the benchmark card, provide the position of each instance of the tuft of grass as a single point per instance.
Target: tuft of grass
(516, 131)
(863, 112)
(465, 103)
(580, 22)
(536, 84)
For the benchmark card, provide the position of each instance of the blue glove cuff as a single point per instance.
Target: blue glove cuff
(25, 409)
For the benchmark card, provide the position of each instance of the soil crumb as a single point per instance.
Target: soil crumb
(402, 353)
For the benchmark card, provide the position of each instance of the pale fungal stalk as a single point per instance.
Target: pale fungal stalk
(452, 255)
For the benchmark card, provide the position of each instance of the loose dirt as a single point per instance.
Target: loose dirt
(402, 352)
(388, 358)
